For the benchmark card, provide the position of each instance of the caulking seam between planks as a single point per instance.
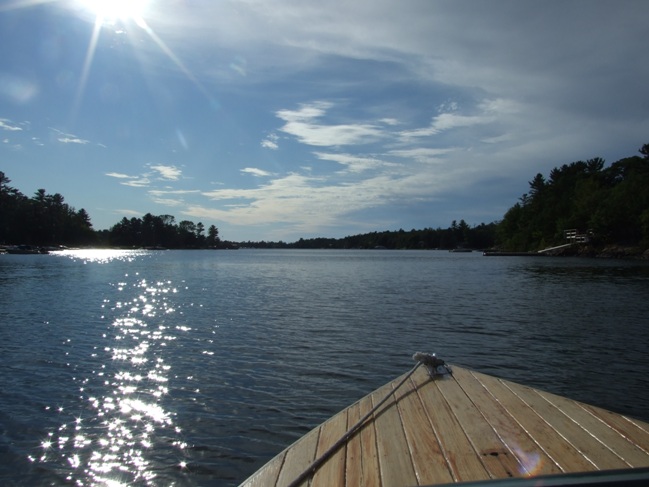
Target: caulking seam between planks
(513, 418)
(548, 399)
(397, 402)
(447, 461)
(586, 457)
(502, 440)
(466, 434)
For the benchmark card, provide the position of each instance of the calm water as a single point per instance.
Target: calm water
(195, 368)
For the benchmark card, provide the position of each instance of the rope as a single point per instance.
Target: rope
(422, 359)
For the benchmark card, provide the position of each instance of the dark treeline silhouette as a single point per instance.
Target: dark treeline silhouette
(162, 232)
(458, 235)
(608, 204)
(44, 219)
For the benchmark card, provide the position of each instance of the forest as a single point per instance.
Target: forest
(609, 205)
(45, 220)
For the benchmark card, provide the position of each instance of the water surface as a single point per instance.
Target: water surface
(196, 367)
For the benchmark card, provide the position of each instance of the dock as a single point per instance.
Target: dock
(489, 253)
(467, 426)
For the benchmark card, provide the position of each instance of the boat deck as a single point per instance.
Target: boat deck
(465, 427)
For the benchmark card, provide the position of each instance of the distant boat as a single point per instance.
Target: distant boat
(458, 425)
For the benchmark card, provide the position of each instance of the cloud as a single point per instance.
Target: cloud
(66, 138)
(72, 140)
(159, 192)
(270, 142)
(133, 181)
(255, 172)
(303, 124)
(354, 163)
(137, 183)
(159, 196)
(168, 201)
(488, 111)
(421, 154)
(171, 173)
(119, 175)
(8, 125)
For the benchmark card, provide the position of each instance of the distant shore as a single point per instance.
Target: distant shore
(603, 252)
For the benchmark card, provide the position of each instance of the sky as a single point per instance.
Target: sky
(286, 119)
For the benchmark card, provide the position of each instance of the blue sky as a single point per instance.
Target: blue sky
(275, 120)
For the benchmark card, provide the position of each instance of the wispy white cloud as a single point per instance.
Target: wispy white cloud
(8, 125)
(133, 213)
(119, 175)
(255, 172)
(168, 201)
(72, 140)
(420, 154)
(67, 138)
(270, 142)
(159, 192)
(171, 173)
(304, 123)
(354, 163)
(137, 183)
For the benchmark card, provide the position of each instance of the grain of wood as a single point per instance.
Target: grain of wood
(428, 460)
(532, 460)
(601, 456)
(395, 462)
(333, 471)
(457, 448)
(299, 458)
(491, 450)
(353, 462)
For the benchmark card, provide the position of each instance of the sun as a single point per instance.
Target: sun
(113, 11)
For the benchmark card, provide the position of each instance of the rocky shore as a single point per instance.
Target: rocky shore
(603, 252)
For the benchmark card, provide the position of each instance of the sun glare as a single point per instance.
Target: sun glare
(111, 11)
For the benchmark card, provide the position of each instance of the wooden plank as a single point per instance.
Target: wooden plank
(370, 470)
(549, 441)
(462, 459)
(333, 470)
(590, 448)
(627, 451)
(425, 450)
(394, 458)
(532, 460)
(353, 462)
(298, 458)
(637, 432)
(268, 474)
(494, 454)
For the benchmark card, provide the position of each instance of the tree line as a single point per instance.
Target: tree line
(458, 235)
(161, 232)
(44, 219)
(610, 204)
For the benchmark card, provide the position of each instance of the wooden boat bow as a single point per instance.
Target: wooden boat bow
(462, 427)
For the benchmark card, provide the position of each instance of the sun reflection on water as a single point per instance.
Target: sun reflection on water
(101, 256)
(125, 422)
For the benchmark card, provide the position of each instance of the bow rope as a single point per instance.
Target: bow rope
(430, 361)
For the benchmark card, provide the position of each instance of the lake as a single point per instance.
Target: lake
(197, 367)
